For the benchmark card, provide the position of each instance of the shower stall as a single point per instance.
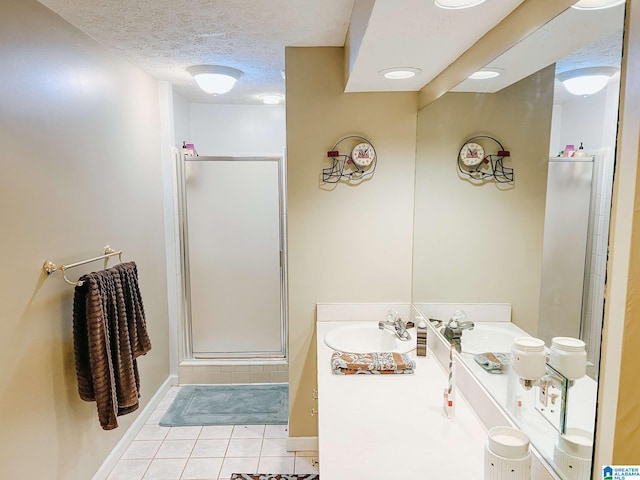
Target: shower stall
(233, 260)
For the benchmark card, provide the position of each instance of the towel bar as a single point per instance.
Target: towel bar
(49, 267)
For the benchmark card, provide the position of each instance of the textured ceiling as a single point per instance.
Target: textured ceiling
(163, 37)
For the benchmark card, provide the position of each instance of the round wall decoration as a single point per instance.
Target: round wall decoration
(471, 154)
(478, 166)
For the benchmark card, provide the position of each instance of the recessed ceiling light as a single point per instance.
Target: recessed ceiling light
(596, 4)
(271, 99)
(485, 73)
(586, 81)
(399, 73)
(457, 4)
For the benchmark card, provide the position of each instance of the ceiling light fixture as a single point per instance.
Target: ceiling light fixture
(271, 99)
(596, 4)
(400, 73)
(586, 81)
(485, 73)
(215, 79)
(457, 4)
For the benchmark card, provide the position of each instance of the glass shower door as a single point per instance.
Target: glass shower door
(234, 277)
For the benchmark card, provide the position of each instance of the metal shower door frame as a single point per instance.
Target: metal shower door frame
(186, 331)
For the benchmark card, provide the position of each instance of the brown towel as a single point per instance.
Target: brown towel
(139, 339)
(344, 363)
(109, 334)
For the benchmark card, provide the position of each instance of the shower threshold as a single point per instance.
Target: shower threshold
(233, 371)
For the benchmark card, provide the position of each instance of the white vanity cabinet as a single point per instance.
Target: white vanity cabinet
(386, 426)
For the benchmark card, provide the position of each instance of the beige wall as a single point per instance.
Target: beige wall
(351, 243)
(483, 243)
(80, 168)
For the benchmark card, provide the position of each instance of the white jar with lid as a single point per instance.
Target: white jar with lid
(569, 357)
(528, 358)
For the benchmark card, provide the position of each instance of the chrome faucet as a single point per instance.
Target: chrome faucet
(468, 325)
(452, 330)
(396, 325)
(459, 320)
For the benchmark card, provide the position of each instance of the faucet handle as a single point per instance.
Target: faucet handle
(457, 318)
(392, 316)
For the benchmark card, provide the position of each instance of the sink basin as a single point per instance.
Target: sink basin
(489, 338)
(367, 337)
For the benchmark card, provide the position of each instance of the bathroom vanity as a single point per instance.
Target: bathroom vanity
(387, 426)
(383, 426)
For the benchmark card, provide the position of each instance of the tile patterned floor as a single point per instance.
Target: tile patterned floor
(208, 453)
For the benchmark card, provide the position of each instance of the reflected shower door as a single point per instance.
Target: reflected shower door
(233, 225)
(564, 247)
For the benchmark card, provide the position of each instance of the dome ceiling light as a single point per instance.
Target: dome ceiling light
(586, 81)
(215, 79)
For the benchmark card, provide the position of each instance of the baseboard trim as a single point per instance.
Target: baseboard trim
(302, 444)
(110, 462)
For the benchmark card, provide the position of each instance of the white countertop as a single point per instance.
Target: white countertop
(386, 426)
(542, 432)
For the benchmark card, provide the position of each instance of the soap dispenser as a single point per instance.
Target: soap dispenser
(421, 338)
(581, 152)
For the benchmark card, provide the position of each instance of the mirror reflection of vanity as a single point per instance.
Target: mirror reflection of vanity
(488, 242)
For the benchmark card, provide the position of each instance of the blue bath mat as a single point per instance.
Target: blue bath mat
(229, 405)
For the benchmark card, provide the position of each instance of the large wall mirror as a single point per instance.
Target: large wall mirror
(538, 243)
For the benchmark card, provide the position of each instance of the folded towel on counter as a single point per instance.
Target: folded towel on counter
(493, 362)
(344, 363)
